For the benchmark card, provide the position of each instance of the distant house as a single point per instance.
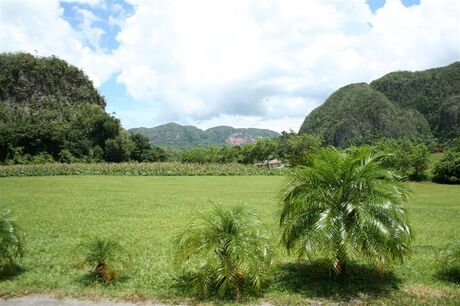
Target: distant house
(272, 164)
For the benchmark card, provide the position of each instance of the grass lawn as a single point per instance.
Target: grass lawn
(145, 213)
(432, 161)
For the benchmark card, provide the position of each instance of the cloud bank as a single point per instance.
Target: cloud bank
(236, 62)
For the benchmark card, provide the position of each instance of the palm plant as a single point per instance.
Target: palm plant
(106, 259)
(449, 264)
(11, 240)
(345, 207)
(224, 252)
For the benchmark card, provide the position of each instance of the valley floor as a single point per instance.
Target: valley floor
(59, 214)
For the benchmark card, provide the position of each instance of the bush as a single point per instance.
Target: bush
(225, 253)
(447, 170)
(66, 157)
(449, 264)
(11, 240)
(411, 160)
(117, 149)
(297, 149)
(106, 259)
(343, 207)
(97, 154)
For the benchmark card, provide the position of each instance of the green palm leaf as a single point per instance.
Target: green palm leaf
(225, 252)
(11, 239)
(345, 207)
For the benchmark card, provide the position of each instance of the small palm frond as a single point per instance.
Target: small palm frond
(449, 264)
(11, 239)
(224, 251)
(106, 259)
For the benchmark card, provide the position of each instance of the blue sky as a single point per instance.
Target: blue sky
(374, 5)
(241, 62)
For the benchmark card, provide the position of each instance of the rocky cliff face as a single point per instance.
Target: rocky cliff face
(240, 139)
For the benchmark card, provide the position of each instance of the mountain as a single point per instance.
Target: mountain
(183, 137)
(29, 80)
(400, 104)
(50, 110)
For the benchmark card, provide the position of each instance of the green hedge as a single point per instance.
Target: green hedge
(142, 169)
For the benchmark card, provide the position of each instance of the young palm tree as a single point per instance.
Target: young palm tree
(224, 251)
(11, 240)
(345, 207)
(106, 259)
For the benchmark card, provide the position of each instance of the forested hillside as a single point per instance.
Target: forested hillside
(51, 111)
(26, 80)
(182, 137)
(417, 105)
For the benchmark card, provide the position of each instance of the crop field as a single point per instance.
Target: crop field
(58, 214)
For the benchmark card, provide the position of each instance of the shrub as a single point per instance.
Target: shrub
(97, 154)
(345, 207)
(224, 253)
(449, 264)
(11, 240)
(66, 157)
(106, 259)
(297, 149)
(42, 158)
(447, 170)
(117, 149)
(409, 159)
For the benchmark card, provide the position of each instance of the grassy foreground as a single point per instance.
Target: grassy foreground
(145, 213)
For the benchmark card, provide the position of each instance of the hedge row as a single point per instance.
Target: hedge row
(137, 169)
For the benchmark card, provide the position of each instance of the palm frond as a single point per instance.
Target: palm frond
(343, 207)
(224, 251)
(106, 259)
(11, 239)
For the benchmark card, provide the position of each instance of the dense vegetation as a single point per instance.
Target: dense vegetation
(50, 111)
(447, 170)
(409, 159)
(434, 93)
(184, 137)
(289, 148)
(137, 169)
(416, 105)
(28, 80)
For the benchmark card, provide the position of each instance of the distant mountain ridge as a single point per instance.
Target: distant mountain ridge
(182, 137)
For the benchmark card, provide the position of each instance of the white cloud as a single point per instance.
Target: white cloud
(91, 34)
(271, 60)
(39, 27)
(264, 63)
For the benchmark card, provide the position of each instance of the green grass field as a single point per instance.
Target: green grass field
(145, 213)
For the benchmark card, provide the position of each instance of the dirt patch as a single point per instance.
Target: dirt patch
(421, 291)
(45, 300)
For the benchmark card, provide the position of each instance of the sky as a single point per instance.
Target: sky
(243, 63)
